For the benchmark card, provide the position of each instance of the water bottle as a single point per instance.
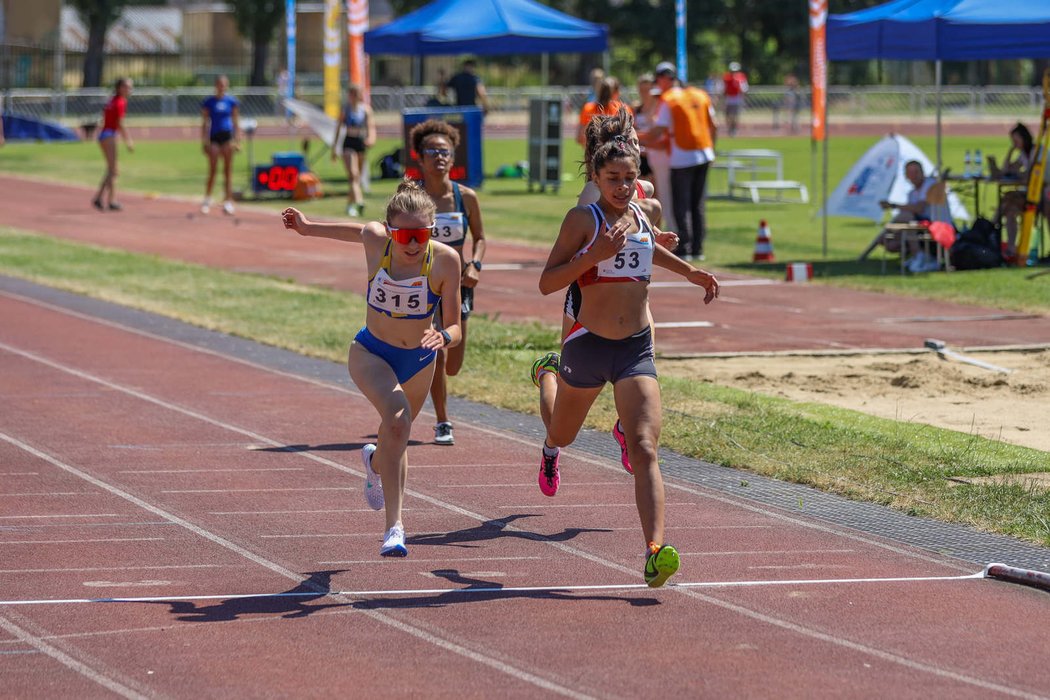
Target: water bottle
(967, 171)
(977, 167)
(1033, 254)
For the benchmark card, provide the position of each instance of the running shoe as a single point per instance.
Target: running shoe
(352, 211)
(549, 478)
(227, 208)
(547, 363)
(206, 205)
(115, 206)
(394, 543)
(97, 203)
(621, 440)
(661, 565)
(443, 434)
(373, 484)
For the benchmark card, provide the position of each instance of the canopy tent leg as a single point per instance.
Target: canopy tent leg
(545, 67)
(937, 78)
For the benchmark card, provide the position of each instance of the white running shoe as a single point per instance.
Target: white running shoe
(373, 484)
(443, 434)
(227, 208)
(206, 205)
(394, 543)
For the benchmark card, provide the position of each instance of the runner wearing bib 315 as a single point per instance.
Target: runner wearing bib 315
(458, 215)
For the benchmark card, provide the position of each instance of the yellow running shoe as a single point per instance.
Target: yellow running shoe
(661, 565)
(547, 363)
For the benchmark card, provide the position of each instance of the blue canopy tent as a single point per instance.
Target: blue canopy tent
(486, 27)
(942, 30)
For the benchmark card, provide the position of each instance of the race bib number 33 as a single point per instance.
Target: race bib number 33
(450, 227)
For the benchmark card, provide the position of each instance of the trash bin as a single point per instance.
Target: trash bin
(467, 168)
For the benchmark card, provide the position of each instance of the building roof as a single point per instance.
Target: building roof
(140, 30)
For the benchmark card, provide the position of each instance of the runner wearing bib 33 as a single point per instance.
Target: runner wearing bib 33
(458, 214)
(392, 358)
(608, 248)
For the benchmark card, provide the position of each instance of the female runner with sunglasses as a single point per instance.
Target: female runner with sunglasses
(457, 213)
(611, 241)
(392, 357)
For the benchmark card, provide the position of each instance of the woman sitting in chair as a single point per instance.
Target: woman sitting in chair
(1015, 166)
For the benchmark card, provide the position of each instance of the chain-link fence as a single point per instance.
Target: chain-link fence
(764, 103)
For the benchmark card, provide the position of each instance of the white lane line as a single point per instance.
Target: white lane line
(685, 324)
(765, 552)
(443, 560)
(19, 473)
(295, 512)
(526, 484)
(535, 506)
(566, 548)
(73, 515)
(447, 642)
(312, 488)
(119, 568)
(51, 493)
(208, 471)
(721, 283)
(313, 535)
(67, 660)
(107, 539)
(382, 593)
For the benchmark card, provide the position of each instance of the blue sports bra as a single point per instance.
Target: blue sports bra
(407, 298)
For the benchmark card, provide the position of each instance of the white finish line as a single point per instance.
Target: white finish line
(498, 590)
(685, 324)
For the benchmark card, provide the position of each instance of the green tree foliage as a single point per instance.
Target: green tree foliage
(258, 22)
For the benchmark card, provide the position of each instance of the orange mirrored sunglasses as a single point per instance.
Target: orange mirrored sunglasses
(405, 235)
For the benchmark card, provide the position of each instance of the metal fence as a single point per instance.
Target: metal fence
(763, 102)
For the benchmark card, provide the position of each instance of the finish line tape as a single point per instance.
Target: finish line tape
(507, 590)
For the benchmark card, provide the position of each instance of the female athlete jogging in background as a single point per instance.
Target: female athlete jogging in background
(357, 123)
(392, 358)
(220, 137)
(113, 124)
(457, 214)
(608, 248)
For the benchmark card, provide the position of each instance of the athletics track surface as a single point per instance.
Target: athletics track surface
(137, 466)
(752, 315)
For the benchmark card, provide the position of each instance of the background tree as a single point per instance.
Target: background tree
(258, 22)
(98, 15)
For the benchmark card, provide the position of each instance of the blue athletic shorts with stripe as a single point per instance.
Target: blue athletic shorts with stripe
(406, 362)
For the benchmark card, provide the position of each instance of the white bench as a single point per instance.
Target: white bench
(753, 188)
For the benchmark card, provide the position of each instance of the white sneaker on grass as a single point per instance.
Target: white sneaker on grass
(373, 484)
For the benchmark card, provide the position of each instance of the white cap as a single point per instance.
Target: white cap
(734, 66)
(665, 67)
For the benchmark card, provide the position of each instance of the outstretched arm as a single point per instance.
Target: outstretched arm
(349, 232)
(700, 278)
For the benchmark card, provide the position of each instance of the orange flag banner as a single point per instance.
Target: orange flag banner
(356, 26)
(818, 66)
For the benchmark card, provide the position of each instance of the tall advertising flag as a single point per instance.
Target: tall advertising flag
(818, 65)
(356, 26)
(679, 26)
(289, 14)
(331, 58)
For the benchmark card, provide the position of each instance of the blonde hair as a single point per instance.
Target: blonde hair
(411, 199)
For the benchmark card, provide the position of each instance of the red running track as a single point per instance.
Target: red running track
(133, 466)
(752, 315)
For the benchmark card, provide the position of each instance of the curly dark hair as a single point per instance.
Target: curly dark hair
(430, 127)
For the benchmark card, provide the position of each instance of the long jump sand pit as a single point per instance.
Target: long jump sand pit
(921, 388)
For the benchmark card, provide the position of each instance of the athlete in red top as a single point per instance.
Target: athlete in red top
(113, 124)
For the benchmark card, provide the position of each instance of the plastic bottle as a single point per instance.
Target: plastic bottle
(967, 171)
(1033, 255)
(977, 166)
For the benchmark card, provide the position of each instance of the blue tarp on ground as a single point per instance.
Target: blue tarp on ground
(946, 30)
(18, 128)
(486, 27)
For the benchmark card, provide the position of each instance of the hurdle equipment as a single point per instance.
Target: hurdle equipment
(799, 272)
(763, 244)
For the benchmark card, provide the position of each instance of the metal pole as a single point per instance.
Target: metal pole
(937, 77)
(824, 192)
(679, 23)
(545, 66)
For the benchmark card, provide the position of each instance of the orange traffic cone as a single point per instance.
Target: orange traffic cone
(763, 244)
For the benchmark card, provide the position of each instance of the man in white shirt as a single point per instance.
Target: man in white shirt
(689, 117)
(914, 209)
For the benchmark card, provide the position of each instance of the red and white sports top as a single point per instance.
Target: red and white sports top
(634, 263)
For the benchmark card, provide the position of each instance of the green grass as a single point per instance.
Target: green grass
(512, 213)
(903, 465)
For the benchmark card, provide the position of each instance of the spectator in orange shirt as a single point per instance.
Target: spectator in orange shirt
(607, 103)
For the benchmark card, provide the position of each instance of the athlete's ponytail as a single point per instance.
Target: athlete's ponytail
(412, 199)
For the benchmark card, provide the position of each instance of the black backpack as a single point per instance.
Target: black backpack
(390, 167)
(978, 248)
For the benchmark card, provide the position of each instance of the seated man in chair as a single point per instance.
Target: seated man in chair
(917, 208)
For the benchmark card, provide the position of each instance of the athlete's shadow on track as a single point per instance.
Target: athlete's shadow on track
(291, 604)
(330, 447)
(475, 590)
(495, 529)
